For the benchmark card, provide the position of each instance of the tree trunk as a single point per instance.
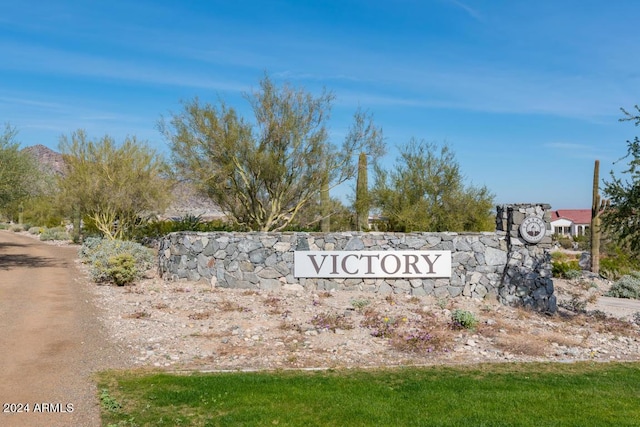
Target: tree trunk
(325, 222)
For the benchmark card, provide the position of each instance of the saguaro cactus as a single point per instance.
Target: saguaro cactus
(597, 207)
(362, 195)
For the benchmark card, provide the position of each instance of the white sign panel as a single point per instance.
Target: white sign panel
(372, 264)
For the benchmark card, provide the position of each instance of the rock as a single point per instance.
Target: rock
(585, 261)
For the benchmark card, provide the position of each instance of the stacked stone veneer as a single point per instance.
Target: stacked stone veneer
(498, 265)
(527, 277)
(265, 260)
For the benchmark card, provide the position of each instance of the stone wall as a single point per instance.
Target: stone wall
(483, 265)
(265, 260)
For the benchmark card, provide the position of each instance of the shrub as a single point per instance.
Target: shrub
(156, 229)
(627, 287)
(417, 335)
(564, 241)
(583, 242)
(360, 303)
(115, 261)
(572, 274)
(16, 228)
(417, 340)
(561, 269)
(331, 322)
(122, 269)
(463, 319)
(559, 256)
(57, 233)
(381, 326)
(618, 263)
(36, 230)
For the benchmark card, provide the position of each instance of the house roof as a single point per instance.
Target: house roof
(577, 216)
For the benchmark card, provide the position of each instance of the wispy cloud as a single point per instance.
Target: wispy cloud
(47, 60)
(468, 9)
(570, 150)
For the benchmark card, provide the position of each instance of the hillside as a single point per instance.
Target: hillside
(49, 161)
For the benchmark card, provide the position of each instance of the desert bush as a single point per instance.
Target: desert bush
(159, 228)
(381, 326)
(360, 303)
(110, 260)
(572, 274)
(16, 228)
(564, 241)
(417, 339)
(574, 304)
(617, 263)
(411, 335)
(56, 233)
(331, 322)
(583, 242)
(627, 287)
(463, 319)
(563, 269)
(36, 230)
(559, 256)
(121, 269)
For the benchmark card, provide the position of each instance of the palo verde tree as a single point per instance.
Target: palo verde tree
(623, 219)
(426, 192)
(112, 186)
(19, 174)
(263, 171)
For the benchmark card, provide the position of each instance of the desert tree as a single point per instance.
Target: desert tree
(425, 191)
(622, 221)
(262, 171)
(19, 175)
(112, 186)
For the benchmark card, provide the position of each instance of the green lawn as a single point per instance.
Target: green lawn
(582, 394)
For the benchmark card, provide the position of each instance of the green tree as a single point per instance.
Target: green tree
(425, 192)
(623, 220)
(263, 171)
(112, 186)
(19, 174)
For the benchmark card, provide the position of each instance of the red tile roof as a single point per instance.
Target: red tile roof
(577, 216)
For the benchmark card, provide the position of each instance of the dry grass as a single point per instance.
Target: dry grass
(138, 315)
(228, 306)
(521, 345)
(199, 316)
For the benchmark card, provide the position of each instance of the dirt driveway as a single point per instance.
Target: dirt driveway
(51, 341)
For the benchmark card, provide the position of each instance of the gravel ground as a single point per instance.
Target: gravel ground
(186, 325)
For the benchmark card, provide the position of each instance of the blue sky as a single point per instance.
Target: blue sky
(528, 93)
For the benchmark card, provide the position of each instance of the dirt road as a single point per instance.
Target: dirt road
(51, 341)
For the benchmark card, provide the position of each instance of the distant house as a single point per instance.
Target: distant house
(570, 222)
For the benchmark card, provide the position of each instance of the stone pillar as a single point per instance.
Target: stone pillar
(527, 279)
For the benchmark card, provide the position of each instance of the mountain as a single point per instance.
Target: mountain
(48, 160)
(187, 201)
